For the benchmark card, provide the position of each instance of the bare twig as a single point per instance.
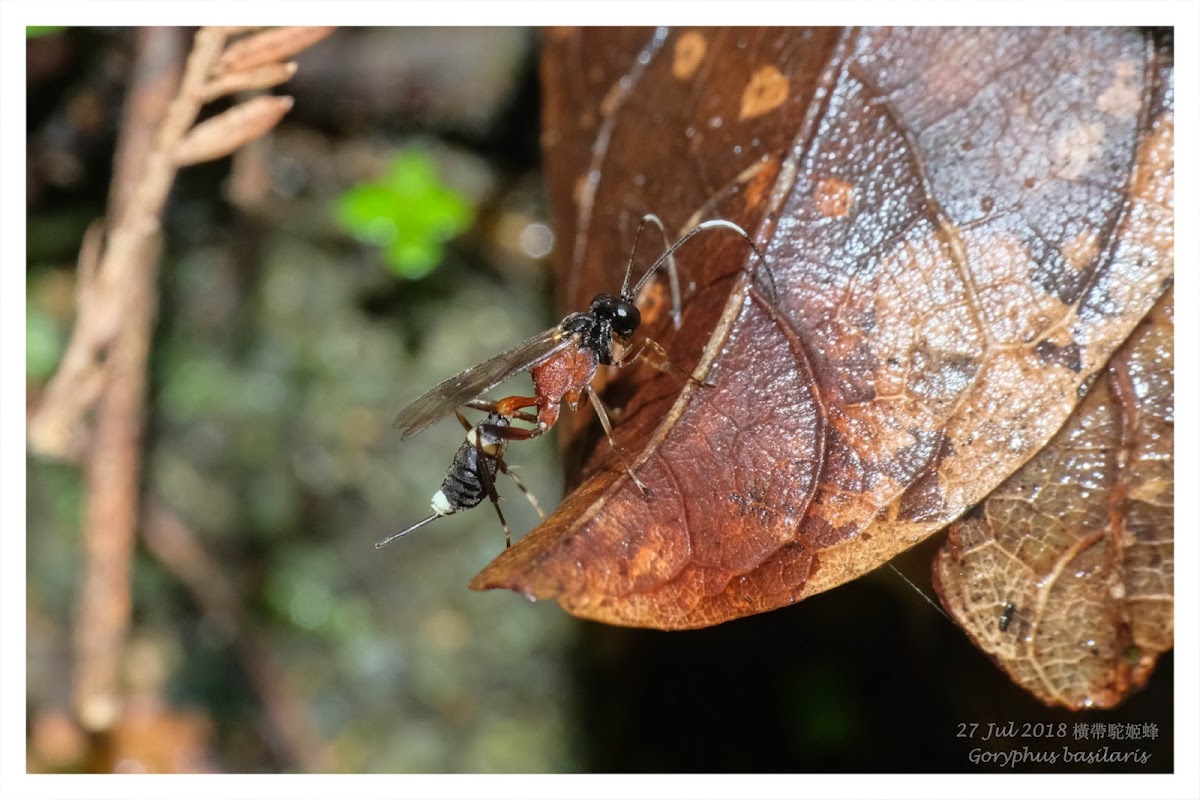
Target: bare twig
(229, 130)
(273, 44)
(261, 78)
(144, 173)
(114, 460)
(154, 153)
(291, 732)
(105, 362)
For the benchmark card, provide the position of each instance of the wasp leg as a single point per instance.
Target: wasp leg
(510, 472)
(507, 407)
(515, 434)
(662, 364)
(490, 487)
(494, 405)
(495, 498)
(602, 413)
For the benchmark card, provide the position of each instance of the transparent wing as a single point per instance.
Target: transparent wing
(470, 383)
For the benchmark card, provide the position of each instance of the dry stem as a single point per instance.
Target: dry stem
(105, 362)
(119, 312)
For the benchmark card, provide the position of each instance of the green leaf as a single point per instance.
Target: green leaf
(34, 31)
(366, 212)
(409, 214)
(414, 259)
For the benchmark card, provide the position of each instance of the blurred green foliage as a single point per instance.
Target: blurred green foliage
(43, 343)
(409, 214)
(34, 31)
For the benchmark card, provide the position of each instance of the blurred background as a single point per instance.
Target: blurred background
(391, 231)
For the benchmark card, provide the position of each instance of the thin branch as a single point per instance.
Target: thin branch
(271, 45)
(263, 77)
(143, 176)
(145, 168)
(138, 192)
(218, 137)
(105, 362)
(113, 464)
(291, 732)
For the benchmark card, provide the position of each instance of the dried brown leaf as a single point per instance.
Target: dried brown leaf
(963, 226)
(1065, 574)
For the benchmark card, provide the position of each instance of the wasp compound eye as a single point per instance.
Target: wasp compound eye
(625, 317)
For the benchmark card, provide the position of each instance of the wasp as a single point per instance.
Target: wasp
(563, 360)
(472, 475)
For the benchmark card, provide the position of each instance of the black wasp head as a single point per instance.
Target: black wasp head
(622, 313)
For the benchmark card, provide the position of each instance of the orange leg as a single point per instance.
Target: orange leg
(511, 405)
(508, 407)
(519, 434)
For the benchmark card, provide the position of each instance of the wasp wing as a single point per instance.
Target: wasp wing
(467, 385)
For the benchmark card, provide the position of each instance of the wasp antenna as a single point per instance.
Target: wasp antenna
(704, 226)
(672, 275)
(762, 260)
(408, 530)
(669, 253)
(647, 217)
(667, 256)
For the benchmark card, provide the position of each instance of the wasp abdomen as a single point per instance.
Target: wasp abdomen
(463, 486)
